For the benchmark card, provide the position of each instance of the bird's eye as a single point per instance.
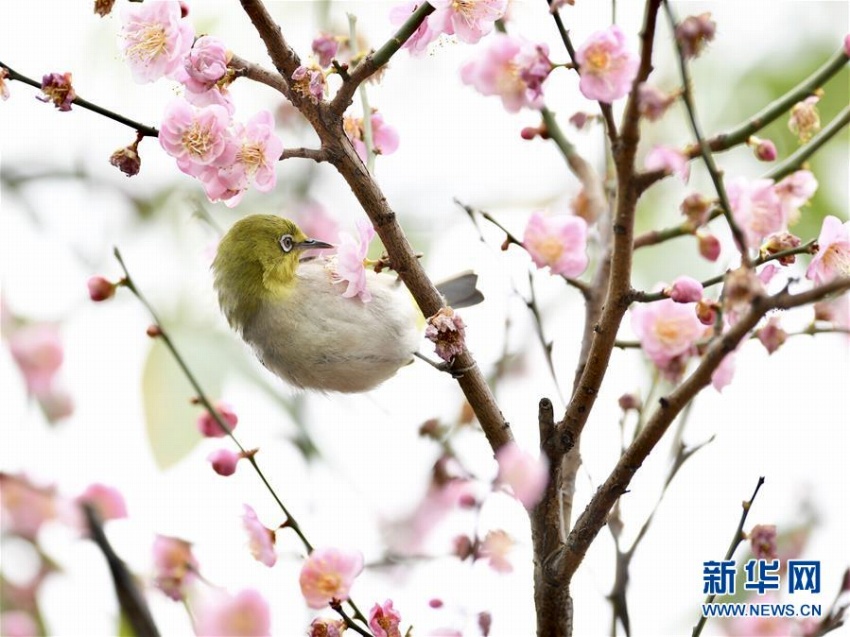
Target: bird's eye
(286, 243)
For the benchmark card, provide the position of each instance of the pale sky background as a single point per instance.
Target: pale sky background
(783, 417)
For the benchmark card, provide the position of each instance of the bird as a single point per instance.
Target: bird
(290, 309)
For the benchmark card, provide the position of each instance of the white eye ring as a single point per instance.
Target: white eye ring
(286, 243)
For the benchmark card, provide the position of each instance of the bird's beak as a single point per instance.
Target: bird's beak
(313, 244)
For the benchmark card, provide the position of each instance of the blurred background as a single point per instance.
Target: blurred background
(354, 469)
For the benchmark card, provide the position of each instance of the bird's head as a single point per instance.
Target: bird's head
(257, 259)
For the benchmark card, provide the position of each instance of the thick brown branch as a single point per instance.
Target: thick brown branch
(596, 513)
(284, 58)
(244, 68)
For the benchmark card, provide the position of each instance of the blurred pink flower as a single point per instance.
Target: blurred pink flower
(325, 46)
(756, 208)
(805, 118)
(469, 20)
(795, 191)
(204, 65)
(527, 475)
(107, 501)
(245, 614)
(772, 336)
(197, 137)
(309, 81)
(694, 32)
(384, 137)
(653, 102)
(511, 68)
(58, 90)
(4, 86)
(324, 627)
(155, 38)
(667, 331)
(260, 539)
(348, 266)
(847, 45)
(724, 372)
(37, 349)
(328, 574)
(763, 541)
(671, 160)
(708, 245)
(833, 256)
(224, 461)
(495, 548)
(100, 289)
(559, 241)
(607, 65)
(418, 43)
(26, 505)
(209, 427)
(384, 620)
(17, 623)
(175, 566)
(316, 222)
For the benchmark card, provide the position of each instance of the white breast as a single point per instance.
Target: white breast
(316, 338)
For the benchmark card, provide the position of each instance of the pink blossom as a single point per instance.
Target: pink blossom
(767, 273)
(607, 66)
(724, 372)
(805, 118)
(756, 208)
(106, 500)
(794, 192)
(694, 32)
(18, 623)
(447, 331)
(56, 404)
(417, 43)
(259, 150)
(495, 548)
(325, 46)
(833, 256)
(309, 82)
(328, 574)
(208, 425)
(260, 539)
(780, 242)
(175, 566)
(653, 102)
(469, 20)
(348, 266)
(671, 160)
(685, 290)
(559, 241)
(57, 89)
(204, 65)
(127, 159)
(224, 461)
(245, 614)
(217, 95)
(155, 38)
(667, 332)
(384, 620)
(315, 221)
(511, 68)
(384, 137)
(197, 137)
(525, 474)
(38, 352)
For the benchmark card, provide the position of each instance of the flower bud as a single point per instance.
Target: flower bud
(706, 311)
(209, 427)
(763, 149)
(653, 102)
(709, 246)
(805, 118)
(464, 547)
(103, 7)
(779, 242)
(685, 290)
(127, 159)
(100, 289)
(447, 331)
(629, 402)
(153, 331)
(694, 32)
(763, 541)
(224, 461)
(772, 336)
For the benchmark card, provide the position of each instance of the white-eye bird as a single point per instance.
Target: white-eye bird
(291, 310)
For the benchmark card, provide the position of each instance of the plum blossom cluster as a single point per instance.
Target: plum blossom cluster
(198, 129)
(468, 20)
(512, 68)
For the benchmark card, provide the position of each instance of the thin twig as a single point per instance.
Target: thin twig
(736, 540)
(141, 129)
(705, 150)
